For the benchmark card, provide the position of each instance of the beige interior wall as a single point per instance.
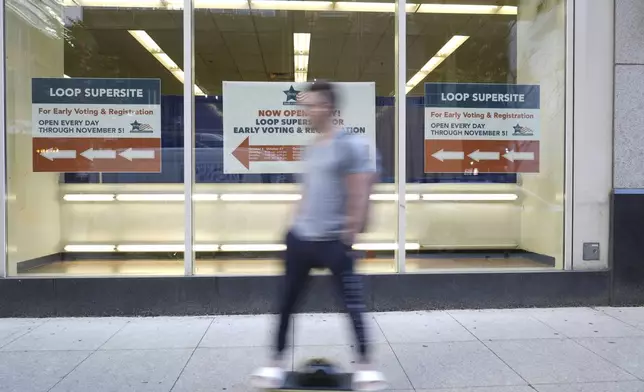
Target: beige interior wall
(34, 48)
(541, 60)
(434, 224)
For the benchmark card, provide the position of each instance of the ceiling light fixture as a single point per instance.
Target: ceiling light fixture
(467, 9)
(301, 49)
(116, 3)
(291, 5)
(454, 43)
(151, 46)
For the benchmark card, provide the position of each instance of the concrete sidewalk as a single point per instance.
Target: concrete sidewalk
(547, 350)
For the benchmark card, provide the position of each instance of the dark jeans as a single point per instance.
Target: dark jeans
(301, 257)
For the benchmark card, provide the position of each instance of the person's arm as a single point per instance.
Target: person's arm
(297, 208)
(360, 176)
(358, 185)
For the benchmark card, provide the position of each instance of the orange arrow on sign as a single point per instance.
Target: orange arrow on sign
(245, 153)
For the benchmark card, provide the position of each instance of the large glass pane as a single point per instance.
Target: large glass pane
(485, 132)
(252, 60)
(94, 138)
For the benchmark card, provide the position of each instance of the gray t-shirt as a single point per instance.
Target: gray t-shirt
(322, 213)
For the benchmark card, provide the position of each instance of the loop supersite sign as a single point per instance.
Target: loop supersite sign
(490, 128)
(266, 130)
(96, 125)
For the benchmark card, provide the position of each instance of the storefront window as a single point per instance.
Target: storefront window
(95, 131)
(485, 135)
(252, 63)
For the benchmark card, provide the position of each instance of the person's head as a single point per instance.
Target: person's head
(320, 102)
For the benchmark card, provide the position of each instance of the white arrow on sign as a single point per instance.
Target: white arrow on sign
(59, 154)
(443, 155)
(518, 156)
(130, 154)
(92, 154)
(484, 156)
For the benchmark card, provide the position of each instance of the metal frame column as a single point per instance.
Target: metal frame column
(401, 131)
(569, 137)
(3, 154)
(188, 133)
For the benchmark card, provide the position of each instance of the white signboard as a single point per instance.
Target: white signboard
(265, 130)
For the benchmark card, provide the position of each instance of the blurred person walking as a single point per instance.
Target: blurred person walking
(339, 172)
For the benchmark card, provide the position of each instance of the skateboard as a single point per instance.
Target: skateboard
(316, 374)
(293, 383)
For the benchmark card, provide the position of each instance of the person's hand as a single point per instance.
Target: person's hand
(348, 237)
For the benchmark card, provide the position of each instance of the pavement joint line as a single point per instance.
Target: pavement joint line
(492, 351)
(126, 323)
(563, 335)
(605, 359)
(394, 352)
(620, 320)
(20, 335)
(194, 350)
(588, 382)
(91, 353)
(74, 368)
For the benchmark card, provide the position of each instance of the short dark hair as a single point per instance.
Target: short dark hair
(326, 89)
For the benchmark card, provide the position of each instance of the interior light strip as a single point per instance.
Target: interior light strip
(151, 46)
(470, 197)
(393, 197)
(151, 248)
(249, 197)
(89, 197)
(252, 248)
(165, 248)
(90, 248)
(386, 246)
(454, 43)
(299, 5)
(205, 197)
(301, 49)
(143, 248)
(260, 197)
(150, 197)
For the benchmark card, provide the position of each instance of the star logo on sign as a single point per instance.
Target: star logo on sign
(136, 126)
(517, 128)
(291, 94)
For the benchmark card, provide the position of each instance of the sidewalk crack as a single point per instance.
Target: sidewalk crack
(174, 384)
(87, 357)
(492, 351)
(375, 319)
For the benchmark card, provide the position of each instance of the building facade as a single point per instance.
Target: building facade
(152, 147)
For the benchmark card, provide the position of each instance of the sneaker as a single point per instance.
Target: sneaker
(368, 381)
(270, 377)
